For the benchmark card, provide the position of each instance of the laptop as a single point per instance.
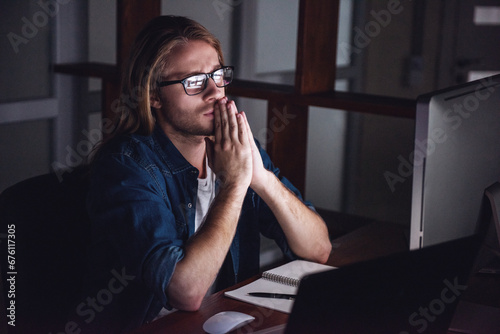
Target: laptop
(411, 292)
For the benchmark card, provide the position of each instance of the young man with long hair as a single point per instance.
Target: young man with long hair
(180, 191)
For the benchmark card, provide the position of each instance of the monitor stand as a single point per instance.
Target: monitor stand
(489, 256)
(473, 317)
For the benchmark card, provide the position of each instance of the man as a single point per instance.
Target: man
(180, 192)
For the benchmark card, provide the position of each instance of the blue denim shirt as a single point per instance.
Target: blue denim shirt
(142, 207)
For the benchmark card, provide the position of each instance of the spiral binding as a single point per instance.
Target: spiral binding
(281, 279)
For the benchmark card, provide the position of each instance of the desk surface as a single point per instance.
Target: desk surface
(192, 322)
(368, 242)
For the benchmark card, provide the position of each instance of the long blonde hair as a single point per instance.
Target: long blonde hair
(149, 56)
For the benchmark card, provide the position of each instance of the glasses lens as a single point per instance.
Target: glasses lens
(218, 77)
(227, 75)
(223, 76)
(195, 84)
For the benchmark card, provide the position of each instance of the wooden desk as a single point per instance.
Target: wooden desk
(368, 242)
(365, 243)
(192, 322)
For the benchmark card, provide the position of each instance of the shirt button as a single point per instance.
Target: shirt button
(190, 205)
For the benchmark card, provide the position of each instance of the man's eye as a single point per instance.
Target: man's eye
(196, 81)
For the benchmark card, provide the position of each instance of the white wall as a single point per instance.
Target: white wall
(268, 42)
(40, 122)
(24, 58)
(215, 17)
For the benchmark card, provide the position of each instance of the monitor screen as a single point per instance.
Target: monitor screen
(456, 157)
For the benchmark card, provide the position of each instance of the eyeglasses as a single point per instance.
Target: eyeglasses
(196, 84)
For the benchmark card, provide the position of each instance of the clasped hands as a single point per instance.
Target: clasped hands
(232, 153)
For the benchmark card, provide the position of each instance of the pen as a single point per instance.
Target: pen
(272, 295)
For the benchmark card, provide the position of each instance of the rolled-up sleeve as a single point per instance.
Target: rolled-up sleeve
(132, 218)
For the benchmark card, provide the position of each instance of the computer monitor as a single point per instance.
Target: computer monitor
(456, 157)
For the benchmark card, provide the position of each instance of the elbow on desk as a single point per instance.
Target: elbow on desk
(190, 306)
(324, 254)
(186, 301)
(320, 254)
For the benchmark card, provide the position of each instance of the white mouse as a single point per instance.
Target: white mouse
(224, 322)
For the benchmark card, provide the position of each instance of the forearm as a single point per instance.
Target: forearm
(230, 157)
(206, 250)
(304, 229)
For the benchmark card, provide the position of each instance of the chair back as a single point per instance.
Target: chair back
(45, 230)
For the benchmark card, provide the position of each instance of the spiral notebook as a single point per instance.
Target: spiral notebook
(282, 279)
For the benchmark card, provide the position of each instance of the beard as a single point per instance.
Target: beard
(190, 124)
(193, 130)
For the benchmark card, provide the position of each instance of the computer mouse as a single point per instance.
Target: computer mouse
(224, 322)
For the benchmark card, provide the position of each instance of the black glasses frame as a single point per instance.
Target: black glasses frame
(207, 75)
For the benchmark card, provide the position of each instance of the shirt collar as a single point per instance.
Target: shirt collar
(169, 153)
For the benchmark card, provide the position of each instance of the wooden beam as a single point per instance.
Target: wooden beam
(106, 72)
(316, 46)
(357, 102)
(132, 16)
(286, 144)
(314, 73)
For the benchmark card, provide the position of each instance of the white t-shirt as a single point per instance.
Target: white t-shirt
(206, 194)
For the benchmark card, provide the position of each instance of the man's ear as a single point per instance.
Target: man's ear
(154, 101)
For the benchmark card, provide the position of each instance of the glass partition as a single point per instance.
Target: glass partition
(25, 60)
